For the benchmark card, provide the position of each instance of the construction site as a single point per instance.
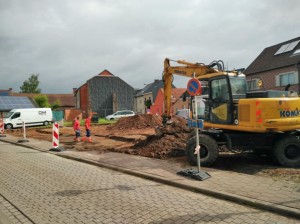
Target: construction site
(144, 135)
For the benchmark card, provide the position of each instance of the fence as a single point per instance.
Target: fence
(58, 115)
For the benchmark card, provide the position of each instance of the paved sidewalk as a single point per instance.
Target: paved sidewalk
(282, 197)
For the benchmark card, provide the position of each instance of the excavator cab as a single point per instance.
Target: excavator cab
(225, 90)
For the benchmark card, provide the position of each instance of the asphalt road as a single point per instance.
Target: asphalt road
(37, 187)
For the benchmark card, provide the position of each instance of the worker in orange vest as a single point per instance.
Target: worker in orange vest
(88, 129)
(76, 128)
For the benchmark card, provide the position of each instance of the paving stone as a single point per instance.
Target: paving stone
(53, 187)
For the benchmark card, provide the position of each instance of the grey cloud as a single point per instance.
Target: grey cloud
(68, 42)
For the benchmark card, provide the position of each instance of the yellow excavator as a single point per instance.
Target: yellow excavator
(261, 120)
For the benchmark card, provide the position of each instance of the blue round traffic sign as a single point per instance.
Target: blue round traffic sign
(194, 87)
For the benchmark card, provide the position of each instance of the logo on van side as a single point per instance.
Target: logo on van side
(42, 112)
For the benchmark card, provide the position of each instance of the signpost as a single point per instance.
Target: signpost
(24, 134)
(194, 88)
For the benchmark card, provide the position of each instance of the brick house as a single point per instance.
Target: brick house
(148, 93)
(177, 102)
(104, 94)
(277, 66)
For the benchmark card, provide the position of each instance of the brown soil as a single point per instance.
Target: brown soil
(143, 135)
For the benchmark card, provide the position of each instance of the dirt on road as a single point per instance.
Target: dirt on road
(143, 135)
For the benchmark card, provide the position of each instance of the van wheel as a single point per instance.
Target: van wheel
(9, 126)
(46, 123)
(286, 151)
(208, 152)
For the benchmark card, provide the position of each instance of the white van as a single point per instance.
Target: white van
(31, 117)
(184, 113)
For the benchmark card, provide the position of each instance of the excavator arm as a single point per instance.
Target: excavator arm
(187, 69)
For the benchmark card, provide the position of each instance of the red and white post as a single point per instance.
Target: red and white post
(55, 135)
(2, 126)
(55, 138)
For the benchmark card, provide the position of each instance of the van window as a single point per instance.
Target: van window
(16, 115)
(7, 115)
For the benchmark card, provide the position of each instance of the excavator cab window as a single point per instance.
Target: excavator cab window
(220, 101)
(238, 87)
(219, 90)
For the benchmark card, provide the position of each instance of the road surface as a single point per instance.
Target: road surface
(37, 187)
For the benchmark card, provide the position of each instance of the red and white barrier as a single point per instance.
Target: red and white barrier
(2, 125)
(55, 139)
(55, 135)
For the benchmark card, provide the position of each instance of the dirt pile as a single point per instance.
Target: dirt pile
(144, 135)
(169, 140)
(139, 121)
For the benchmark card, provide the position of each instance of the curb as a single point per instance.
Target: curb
(256, 203)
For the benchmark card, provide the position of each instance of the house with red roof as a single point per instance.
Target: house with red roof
(176, 100)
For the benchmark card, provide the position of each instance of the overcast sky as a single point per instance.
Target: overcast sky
(68, 42)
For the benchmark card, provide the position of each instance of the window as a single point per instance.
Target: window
(7, 115)
(287, 47)
(238, 86)
(252, 84)
(296, 52)
(219, 90)
(287, 78)
(16, 115)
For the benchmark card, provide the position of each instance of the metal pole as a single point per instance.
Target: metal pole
(24, 134)
(197, 133)
(24, 130)
(197, 138)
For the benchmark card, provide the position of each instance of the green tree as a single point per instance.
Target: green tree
(42, 101)
(31, 85)
(55, 105)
